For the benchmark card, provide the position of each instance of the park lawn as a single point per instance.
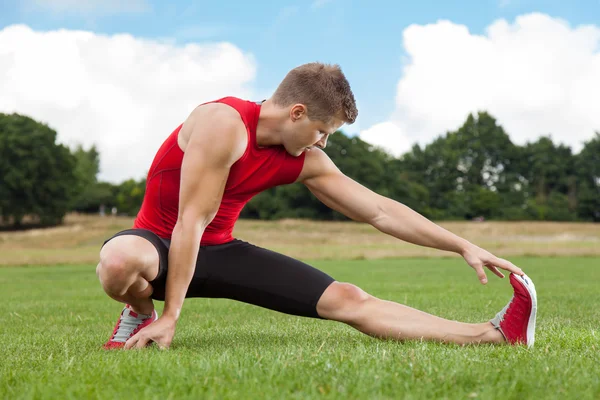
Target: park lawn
(55, 319)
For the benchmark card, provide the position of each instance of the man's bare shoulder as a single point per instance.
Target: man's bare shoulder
(216, 111)
(214, 124)
(316, 163)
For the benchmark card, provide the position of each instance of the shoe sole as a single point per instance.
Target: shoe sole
(528, 284)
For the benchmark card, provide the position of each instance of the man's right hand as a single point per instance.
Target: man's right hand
(478, 258)
(160, 331)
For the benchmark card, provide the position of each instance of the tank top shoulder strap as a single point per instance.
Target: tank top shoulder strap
(248, 110)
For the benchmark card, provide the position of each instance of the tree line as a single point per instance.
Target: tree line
(475, 172)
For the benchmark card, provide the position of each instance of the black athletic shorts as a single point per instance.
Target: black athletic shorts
(241, 271)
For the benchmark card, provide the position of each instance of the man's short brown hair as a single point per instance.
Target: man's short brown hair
(322, 88)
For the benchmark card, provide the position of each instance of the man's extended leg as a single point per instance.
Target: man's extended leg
(385, 319)
(347, 303)
(258, 276)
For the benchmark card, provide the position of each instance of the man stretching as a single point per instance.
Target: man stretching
(226, 152)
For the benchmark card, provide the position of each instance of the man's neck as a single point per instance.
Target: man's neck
(270, 118)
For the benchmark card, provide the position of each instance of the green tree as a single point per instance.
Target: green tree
(549, 179)
(129, 196)
(548, 168)
(37, 174)
(587, 166)
(90, 194)
(465, 171)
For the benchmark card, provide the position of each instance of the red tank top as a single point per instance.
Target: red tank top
(257, 170)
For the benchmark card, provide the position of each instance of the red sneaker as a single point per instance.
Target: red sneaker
(516, 321)
(129, 324)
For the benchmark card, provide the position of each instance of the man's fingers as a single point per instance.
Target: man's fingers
(131, 341)
(480, 273)
(142, 342)
(162, 346)
(495, 271)
(507, 265)
(137, 341)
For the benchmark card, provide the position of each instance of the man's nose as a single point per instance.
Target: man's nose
(322, 143)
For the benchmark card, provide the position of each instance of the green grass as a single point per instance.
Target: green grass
(55, 319)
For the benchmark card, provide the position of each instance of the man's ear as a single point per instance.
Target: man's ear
(297, 111)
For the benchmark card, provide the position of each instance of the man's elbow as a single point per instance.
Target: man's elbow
(194, 221)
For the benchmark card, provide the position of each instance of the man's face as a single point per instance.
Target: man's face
(304, 134)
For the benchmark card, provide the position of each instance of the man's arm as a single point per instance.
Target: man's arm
(357, 202)
(215, 144)
(216, 141)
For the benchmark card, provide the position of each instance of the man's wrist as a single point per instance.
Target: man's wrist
(171, 314)
(463, 246)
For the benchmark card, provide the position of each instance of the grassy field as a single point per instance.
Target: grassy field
(55, 319)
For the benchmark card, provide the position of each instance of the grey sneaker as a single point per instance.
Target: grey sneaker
(129, 324)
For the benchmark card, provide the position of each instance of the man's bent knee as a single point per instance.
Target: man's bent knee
(115, 274)
(342, 302)
(123, 261)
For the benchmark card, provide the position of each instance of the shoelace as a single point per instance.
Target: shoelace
(127, 326)
(500, 316)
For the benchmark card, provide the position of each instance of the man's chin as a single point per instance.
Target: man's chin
(296, 153)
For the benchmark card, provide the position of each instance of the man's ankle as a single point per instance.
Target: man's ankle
(492, 335)
(143, 308)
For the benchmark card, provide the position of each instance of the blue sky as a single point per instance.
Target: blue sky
(364, 37)
(533, 64)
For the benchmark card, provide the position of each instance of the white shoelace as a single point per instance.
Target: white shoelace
(128, 324)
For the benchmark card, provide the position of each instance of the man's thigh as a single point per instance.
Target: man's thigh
(241, 271)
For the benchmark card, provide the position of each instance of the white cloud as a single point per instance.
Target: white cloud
(389, 136)
(104, 7)
(122, 93)
(537, 76)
